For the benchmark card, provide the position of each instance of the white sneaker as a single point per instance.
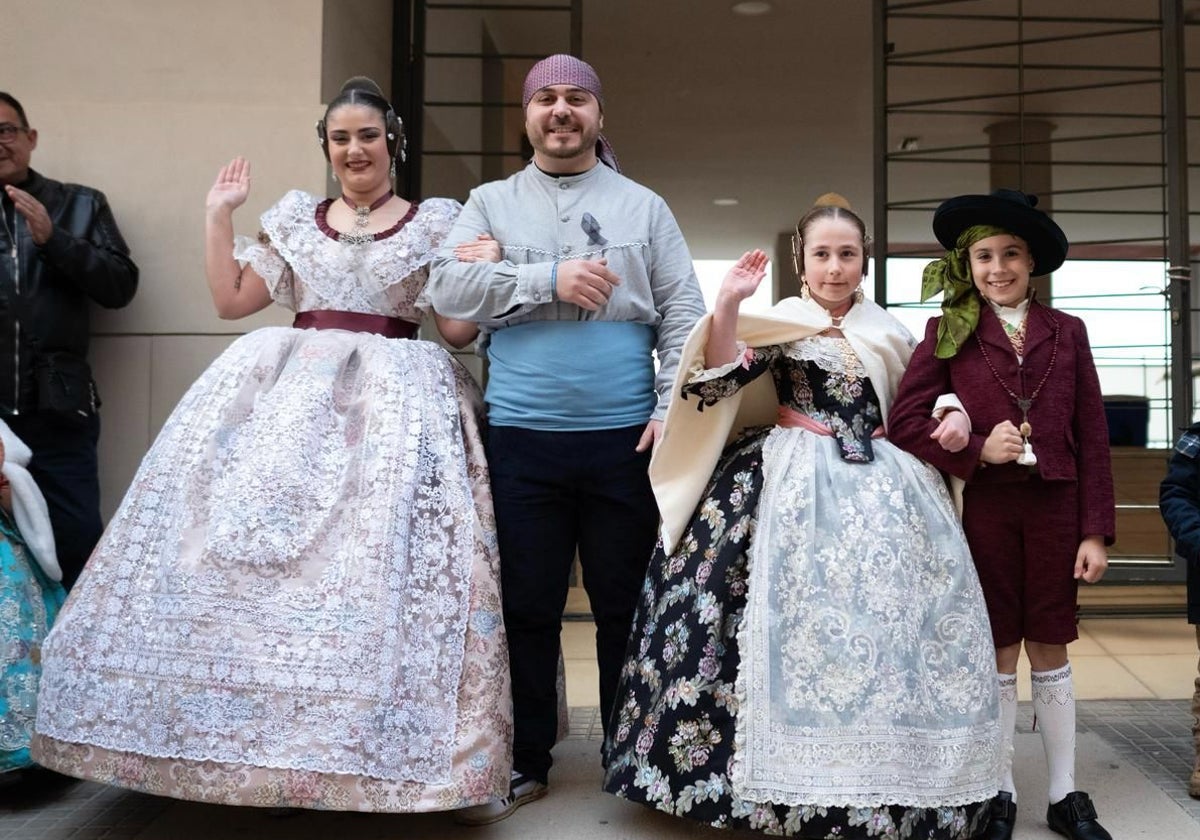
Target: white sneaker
(521, 790)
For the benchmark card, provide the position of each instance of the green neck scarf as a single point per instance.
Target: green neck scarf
(951, 275)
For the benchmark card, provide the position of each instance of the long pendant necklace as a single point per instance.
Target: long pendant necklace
(1026, 458)
(362, 217)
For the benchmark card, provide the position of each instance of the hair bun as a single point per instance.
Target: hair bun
(364, 84)
(832, 199)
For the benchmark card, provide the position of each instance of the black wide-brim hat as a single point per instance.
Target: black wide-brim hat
(1014, 211)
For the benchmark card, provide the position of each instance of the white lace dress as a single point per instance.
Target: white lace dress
(297, 603)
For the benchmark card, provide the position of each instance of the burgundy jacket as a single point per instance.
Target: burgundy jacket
(1070, 435)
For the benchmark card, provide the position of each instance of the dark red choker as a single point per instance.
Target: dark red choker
(362, 217)
(375, 205)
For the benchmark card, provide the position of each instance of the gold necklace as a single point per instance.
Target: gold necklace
(1024, 403)
(849, 361)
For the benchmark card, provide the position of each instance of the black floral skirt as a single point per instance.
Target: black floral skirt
(672, 730)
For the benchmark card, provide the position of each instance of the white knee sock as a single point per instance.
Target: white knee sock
(1008, 725)
(1054, 705)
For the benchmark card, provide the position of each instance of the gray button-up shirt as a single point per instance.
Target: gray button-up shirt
(539, 219)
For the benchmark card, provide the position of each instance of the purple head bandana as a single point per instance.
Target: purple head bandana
(561, 70)
(568, 70)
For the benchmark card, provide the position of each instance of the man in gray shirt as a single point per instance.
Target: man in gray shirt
(594, 281)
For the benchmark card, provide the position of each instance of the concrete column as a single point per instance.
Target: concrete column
(1021, 160)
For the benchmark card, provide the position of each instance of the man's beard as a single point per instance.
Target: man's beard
(586, 141)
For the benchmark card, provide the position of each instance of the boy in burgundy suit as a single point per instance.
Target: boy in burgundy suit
(1038, 500)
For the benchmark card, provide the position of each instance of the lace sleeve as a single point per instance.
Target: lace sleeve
(713, 384)
(402, 269)
(422, 304)
(438, 217)
(268, 264)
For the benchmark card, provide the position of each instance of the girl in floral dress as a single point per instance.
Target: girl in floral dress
(811, 652)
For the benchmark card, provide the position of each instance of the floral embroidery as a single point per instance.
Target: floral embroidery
(822, 375)
(693, 741)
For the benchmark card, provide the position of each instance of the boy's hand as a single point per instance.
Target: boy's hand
(1091, 561)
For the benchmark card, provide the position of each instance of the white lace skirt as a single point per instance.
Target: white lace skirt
(868, 672)
(297, 603)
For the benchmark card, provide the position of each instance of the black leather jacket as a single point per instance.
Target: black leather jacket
(45, 291)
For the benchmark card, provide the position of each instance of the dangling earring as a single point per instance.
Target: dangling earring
(858, 295)
(804, 293)
(392, 171)
(333, 177)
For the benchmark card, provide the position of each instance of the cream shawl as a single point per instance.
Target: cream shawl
(692, 440)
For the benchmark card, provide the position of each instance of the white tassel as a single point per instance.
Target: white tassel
(1027, 458)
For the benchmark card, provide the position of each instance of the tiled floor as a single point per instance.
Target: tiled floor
(1134, 679)
(1153, 735)
(46, 807)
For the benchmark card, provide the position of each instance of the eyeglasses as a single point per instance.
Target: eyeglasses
(9, 132)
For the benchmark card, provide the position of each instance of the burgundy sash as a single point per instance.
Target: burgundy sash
(333, 319)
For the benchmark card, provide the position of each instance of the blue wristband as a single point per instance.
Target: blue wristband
(554, 281)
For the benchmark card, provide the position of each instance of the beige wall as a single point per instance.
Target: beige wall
(146, 100)
(356, 40)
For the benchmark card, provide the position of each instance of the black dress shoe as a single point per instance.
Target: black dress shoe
(1075, 817)
(1002, 813)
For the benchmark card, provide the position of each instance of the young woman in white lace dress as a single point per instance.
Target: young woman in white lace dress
(297, 603)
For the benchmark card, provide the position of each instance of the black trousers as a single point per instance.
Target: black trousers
(555, 493)
(66, 469)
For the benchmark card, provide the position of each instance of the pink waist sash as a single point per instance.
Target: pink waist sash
(333, 319)
(789, 418)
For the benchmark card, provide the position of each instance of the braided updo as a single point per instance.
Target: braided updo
(359, 90)
(831, 205)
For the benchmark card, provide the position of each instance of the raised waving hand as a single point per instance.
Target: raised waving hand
(232, 187)
(741, 281)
